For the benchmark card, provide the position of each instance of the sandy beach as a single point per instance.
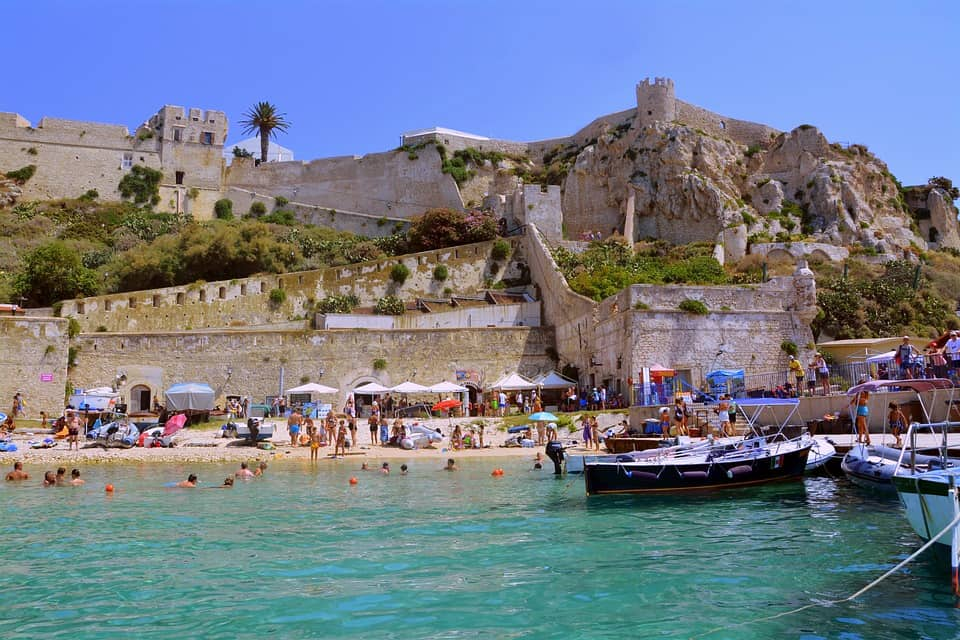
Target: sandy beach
(205, 445)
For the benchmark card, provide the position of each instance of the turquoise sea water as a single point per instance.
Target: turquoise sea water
(302, 554)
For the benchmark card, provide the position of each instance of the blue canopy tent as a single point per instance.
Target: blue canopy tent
(726, 381)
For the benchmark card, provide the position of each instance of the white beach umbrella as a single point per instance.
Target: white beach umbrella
(410, 387)
(312, 387)
(372, 388)
(446, 387)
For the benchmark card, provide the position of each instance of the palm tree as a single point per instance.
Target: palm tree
(263, 120)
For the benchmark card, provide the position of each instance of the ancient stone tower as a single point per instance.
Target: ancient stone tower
(656, 101)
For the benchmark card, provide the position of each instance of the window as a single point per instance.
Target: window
(179, 176)
(178, 134)
(203, 295)
(127, 161)
(156, 301)
(80, 309)
(206, 138)
(106, 305)
(243, 289)
(222, 292)
(180, 297)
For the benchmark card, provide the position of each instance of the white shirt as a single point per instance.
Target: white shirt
(953, 347)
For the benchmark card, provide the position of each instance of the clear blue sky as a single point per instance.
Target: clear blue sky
(352, 76)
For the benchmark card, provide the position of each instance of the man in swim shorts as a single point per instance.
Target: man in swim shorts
(293, 426)
(18, 473)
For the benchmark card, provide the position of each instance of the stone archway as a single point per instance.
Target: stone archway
(140, 399)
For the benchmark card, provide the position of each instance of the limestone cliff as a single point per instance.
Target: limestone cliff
(670, 181)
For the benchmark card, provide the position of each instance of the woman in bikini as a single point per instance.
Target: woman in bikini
(863, 412)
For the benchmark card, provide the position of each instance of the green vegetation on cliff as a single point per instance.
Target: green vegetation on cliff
(607, 267)
(899, 297)
(62, 249)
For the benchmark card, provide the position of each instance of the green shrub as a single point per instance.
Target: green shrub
(280, 216)
(277, 297)
(381, 221)
(257, 209)
(439, 228)
(72, 353)
(694, 306)
(752, 150)
(399, 273)
(142, 184)
(73, 328)
(101, 329)
(447, 291)
(57, 308)
(52, 272)
(338, 304)
(789, 347)
(500, 251)
(440, 273)
(223, 209)
(281, 201)
(379, 364)
(90, 196)
(21, 175)
(640, 305)
(390, 306)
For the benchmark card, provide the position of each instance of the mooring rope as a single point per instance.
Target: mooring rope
(829, 603)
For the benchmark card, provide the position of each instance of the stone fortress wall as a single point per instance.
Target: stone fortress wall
(33, 359)
(245, 302)
(73, 157)
(378, 184)
(250, 362)
(352, 221)
(612, 341)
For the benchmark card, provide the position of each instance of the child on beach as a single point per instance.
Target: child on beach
(898, 423)
(341, 447)
(314, 445)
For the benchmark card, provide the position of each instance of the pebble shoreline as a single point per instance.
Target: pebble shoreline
(206, 446)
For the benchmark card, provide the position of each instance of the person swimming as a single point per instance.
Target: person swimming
(189, 483)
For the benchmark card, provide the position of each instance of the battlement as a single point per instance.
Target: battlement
(666, 83)
(177, 124)
(656, 102)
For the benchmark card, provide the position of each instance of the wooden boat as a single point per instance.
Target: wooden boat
(752, 461)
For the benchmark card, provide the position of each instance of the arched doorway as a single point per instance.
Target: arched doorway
(473, 396)
(140, 399)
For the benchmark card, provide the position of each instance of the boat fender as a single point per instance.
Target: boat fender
(739, 470)
(694, 475)
(641, 475)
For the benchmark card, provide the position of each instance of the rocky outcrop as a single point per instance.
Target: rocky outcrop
(10, 192)
(671, 181)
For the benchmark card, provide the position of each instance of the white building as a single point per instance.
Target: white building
(275, 153)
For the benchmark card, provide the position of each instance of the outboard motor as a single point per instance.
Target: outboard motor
(554, 451)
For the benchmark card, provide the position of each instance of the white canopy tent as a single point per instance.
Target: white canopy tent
(554, 380)
(410, 387)
(372, 389)
(311, 388)
(446, 387)
(883, 357)
(513, 382)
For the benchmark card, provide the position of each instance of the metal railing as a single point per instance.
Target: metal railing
(783, 384)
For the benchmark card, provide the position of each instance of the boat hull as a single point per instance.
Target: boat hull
(671, 476)
(928, 503)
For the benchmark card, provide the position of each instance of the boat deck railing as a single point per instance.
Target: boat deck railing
(944, 428)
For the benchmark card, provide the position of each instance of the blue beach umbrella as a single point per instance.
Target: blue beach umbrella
(543, 416)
